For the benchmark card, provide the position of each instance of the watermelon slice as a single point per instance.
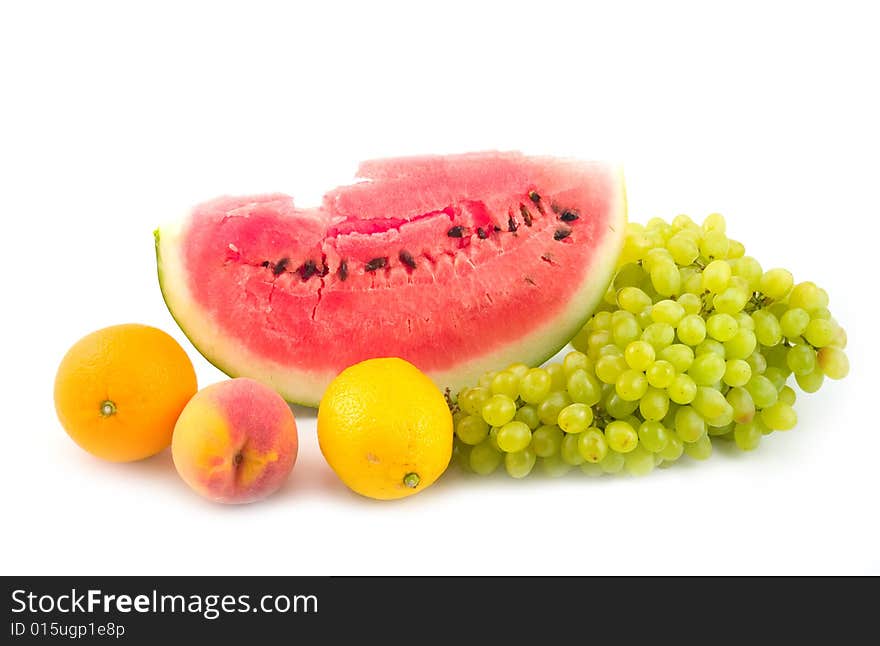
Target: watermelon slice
(459, 264)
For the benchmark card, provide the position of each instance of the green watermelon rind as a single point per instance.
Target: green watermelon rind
(604, 265)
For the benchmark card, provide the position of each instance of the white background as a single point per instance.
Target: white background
(117, 115)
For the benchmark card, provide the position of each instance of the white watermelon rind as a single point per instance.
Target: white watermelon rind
(305, 387)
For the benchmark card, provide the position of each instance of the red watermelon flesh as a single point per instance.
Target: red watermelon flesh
(459, 264)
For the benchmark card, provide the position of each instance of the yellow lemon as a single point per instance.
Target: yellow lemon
(385, 429)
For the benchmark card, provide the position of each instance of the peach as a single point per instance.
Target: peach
(235, 441)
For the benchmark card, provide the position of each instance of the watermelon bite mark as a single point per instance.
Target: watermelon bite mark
(458, 264)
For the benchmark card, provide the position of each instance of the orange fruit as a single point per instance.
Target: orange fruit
(385, 428)
(119, 391)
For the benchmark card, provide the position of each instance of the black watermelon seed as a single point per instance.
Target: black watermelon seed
(265, 263)
(555, 208)
(568, 216)
(456, 232)
(307, 270)
(511, 224)
(342, 272)
(526, 214)
(280, 266)
(497, 228)
(376, 263)
(561, 234)
(481, 233)
(407, 259)
(534, 197)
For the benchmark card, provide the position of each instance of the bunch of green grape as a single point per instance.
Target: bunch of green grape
(694, 341)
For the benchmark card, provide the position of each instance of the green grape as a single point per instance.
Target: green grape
(659, 335)
(580, 341)
(731, 300)
(612, 462)
(787, 395)
(683, 249)
(707, 369)
(575, 361)
(611, 351)
(549, 409)
(596, 341)
(471, 400)
(794, 322)
(654, 404)
(750, 270)
(557, 376)
(461, 454)
(655, 257)
(633, 299)
(812, 382)
(609, 368)
(493, 439)
(716, 276)
(546, 440)
(653, 436)
(486, 379)
(757, 362)
(601, 321)
(498, 410)
(723, 420)
(679, 355)
(618, 407)
(714, 245)
(714, 222)
(744, 321)
(592, 470)
(819, 333)
(592, 445)
(575, 418)
(699, 450)
(519, 464)
(471, 429)
(514, 436)
(779, 417)
(742, 404)
(644, 319)
(638, 462)
(711, 346)
(683, 222)
(625, 331)
(776, 376)
(667, 311)
(722, 327)
(710, 403)
(484, 459)
(737, 373)
(621, 436)
(534, 386)
(584, 388)
(741, 345)
(639, 355)
(692, 330)
(759, 424)
(768, 330)
(528, 415)
(673, 449)
(691, 303)
(569, 452)
(807, 296)
(689, 424)
(747, 436)
(762, 390)
(682, 390)
(505, 383)
(629, 275)
(666, 279)
(822, 313)
(840, 339)
(724, 432)
(690, 279)
(801, 359)
(776, 283)
(631, 385)
(517, 369)
(833, 362)
(660, 373)
(554, 466)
